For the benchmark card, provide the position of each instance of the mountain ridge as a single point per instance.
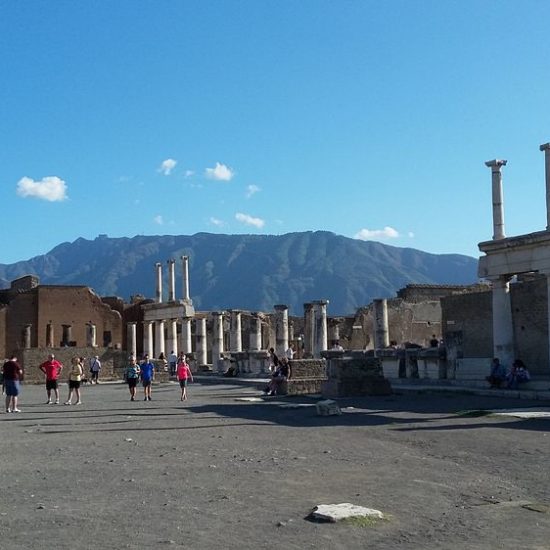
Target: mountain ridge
(247, 271)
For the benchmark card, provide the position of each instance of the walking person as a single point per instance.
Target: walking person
(52, 369)
(184, 375)
(147, 373)
(132, 376)
(11, 372)
(75, 378)
(95, 367)
(173, 362)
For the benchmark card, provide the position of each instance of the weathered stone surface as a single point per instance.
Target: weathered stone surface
(338, 512)
(328, 407)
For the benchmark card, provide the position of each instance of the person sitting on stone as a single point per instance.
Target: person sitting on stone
(282, 374)
(518, 375)
(497, 375)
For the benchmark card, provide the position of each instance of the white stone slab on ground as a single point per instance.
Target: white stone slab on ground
(249, 399)
(542, 412)
(345, 510)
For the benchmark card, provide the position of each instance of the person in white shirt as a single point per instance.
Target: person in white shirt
(95, 367)
(290, 352)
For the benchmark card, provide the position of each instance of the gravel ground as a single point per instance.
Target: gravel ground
(218, 472)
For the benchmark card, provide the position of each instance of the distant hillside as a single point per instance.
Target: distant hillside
(248, 271)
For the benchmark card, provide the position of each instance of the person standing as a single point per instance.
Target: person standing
(273, 360)
(147, 373)
(75, 377)
(132, 376)
(51, 368)
(95, 367)
(290, 352)
(184, 375)
(173, 362)
(12, 374)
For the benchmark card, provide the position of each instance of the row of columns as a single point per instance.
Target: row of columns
(66, 335)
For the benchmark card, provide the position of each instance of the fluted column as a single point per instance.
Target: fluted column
(498, 209)
(131, 336)
(381, 328)
(50, 335)
(217, 341)
(27, 336)
(200, 341)
(334, 331)
(91, 334)
(159, 338)
(185, 277)
(172, 339)
(186, 339)
(158, 292)
(281, 329)
(309, 330)
(148, 338)
(171, 280)
(546, 148)
(235, 331)
(320, 309)
(503, 331)
(255, 342)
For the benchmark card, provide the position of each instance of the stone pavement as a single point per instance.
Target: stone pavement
(232, 469)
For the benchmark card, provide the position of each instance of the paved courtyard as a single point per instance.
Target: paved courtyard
(219, 471)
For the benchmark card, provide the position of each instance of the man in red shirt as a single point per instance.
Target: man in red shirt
(51, 368)
(12, 373)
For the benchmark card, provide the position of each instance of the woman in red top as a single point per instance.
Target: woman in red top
(184, 374)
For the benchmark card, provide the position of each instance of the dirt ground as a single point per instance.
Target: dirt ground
(216, 472)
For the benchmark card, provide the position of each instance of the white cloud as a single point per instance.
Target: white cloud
(251, 190)
(158, 219)
(166, 166)
(50, 188)
(188, 173)
(220, 172)
(215, 221)
(249, 220)
(371, 234)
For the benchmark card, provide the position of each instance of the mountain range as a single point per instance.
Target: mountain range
(250, 272)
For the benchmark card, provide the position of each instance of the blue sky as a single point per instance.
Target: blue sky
(371, 119)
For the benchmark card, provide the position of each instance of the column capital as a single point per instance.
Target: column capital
(496, 164)
(545, 147)
(280, 307)
(158, 264)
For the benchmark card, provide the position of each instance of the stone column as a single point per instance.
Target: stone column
(50, 335)
(498, 210)
(255, 333)
(309, 330)
(334, 330)
(546, 148)
(290, 330)
(171, 280)
(381, 329)
(91, 334)
(235, 331)
(131, 339)
(148, 338)
(158, 293)
(281, 329)
(320, 313)
(67, 334)
(217, 341)
(548, 310)
(503, 331)
(159, 338)
(172, 340)
(185, 266)
(186, 340)
(200, 341)
(27, 336)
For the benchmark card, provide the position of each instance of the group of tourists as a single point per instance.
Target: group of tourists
(52, 369)
(500, 377)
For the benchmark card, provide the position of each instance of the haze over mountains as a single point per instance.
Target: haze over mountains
(252, 272)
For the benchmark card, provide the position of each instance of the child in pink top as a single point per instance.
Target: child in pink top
(184, 374)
